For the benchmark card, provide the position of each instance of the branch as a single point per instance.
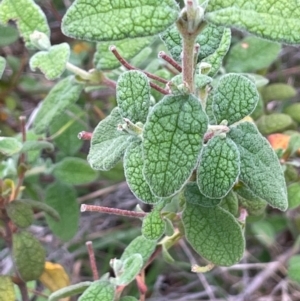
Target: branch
(168, 59)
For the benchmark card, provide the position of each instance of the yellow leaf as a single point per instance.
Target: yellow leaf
(55, 277)
(7, 292)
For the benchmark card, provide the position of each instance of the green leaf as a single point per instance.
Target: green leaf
(219, 167)
(153, 225)
(74, 171)
(127, 298)
(252, 54)
(8, 35)
(235, 98)
(193, 195)
(37, 146)
(214, 234)
(140, 245)
(133, 167)
(294, 195)
(216, 58)
(9, 146)
(230, 203)
(274, 123)
(114, 20)
(108, 144)
(62, 198)
(52, 62)
(43, 207)
(7, 292)
(99, 291)
(70, 290)
(278, 91)
(128, 48)
(294, 268)
(252, 203)
(133, 96)
(20, 213)
(131, 268)
(277, 21)
(294, 111)
(2, 65)
(260, 168)
(28, 255)
(28, 16)
(264, 232)
(172, 142)
(61, 96)
(68, 124)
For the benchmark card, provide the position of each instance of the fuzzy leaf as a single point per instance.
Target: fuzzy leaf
(62, 198)
(20, 213)
(28, 16)
(273, 20)
(193, 195)
(108, 144)
(96, 20)
(219, 167)
(140, 245)
(131, 268)
(74, 171)
(2, 65)
(278, 91)
(53, 62)
(28, 255)
(128, 48)
(214, 234)
(274, 123)
(7, 292)
(153, 225)
(9, 146)
(172, 142)
(251, 54)
(133, 167)
(294, 195)
(99, 291)
(230, 203)
(63, 94)
(133, 96)
(260, 168)
(235, 98)
(70, 291)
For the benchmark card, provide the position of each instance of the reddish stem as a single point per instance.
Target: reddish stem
(85, 135)
(168, 59)
(93, 264)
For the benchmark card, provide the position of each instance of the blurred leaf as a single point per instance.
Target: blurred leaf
(28, 19)
(174, 131)
(219, 167)
(131, 268)
(52, 62)
(9, 146)
(140, 245)
(193, 195)
(274, 123)
(128, 298)
(28, 255)
(294, 195)
(128, 48)
(20, 213)
(264, 232)
(273, 21)
(74, 171)
(61, 96)
(293, 111)
(114, 21)
(278, 91)
(251, 54)
(62, 198)
(259, 109)
(214, 234)
(294, 268)
(54, 277)
(7, 292)
(99, 291)
(108, 144)
(68, 291)
(230, 203)
(256, 153)
(235, 98)
(133, 96)
(2, 65)
(8, 35)
(153, 225)
(37, 145)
